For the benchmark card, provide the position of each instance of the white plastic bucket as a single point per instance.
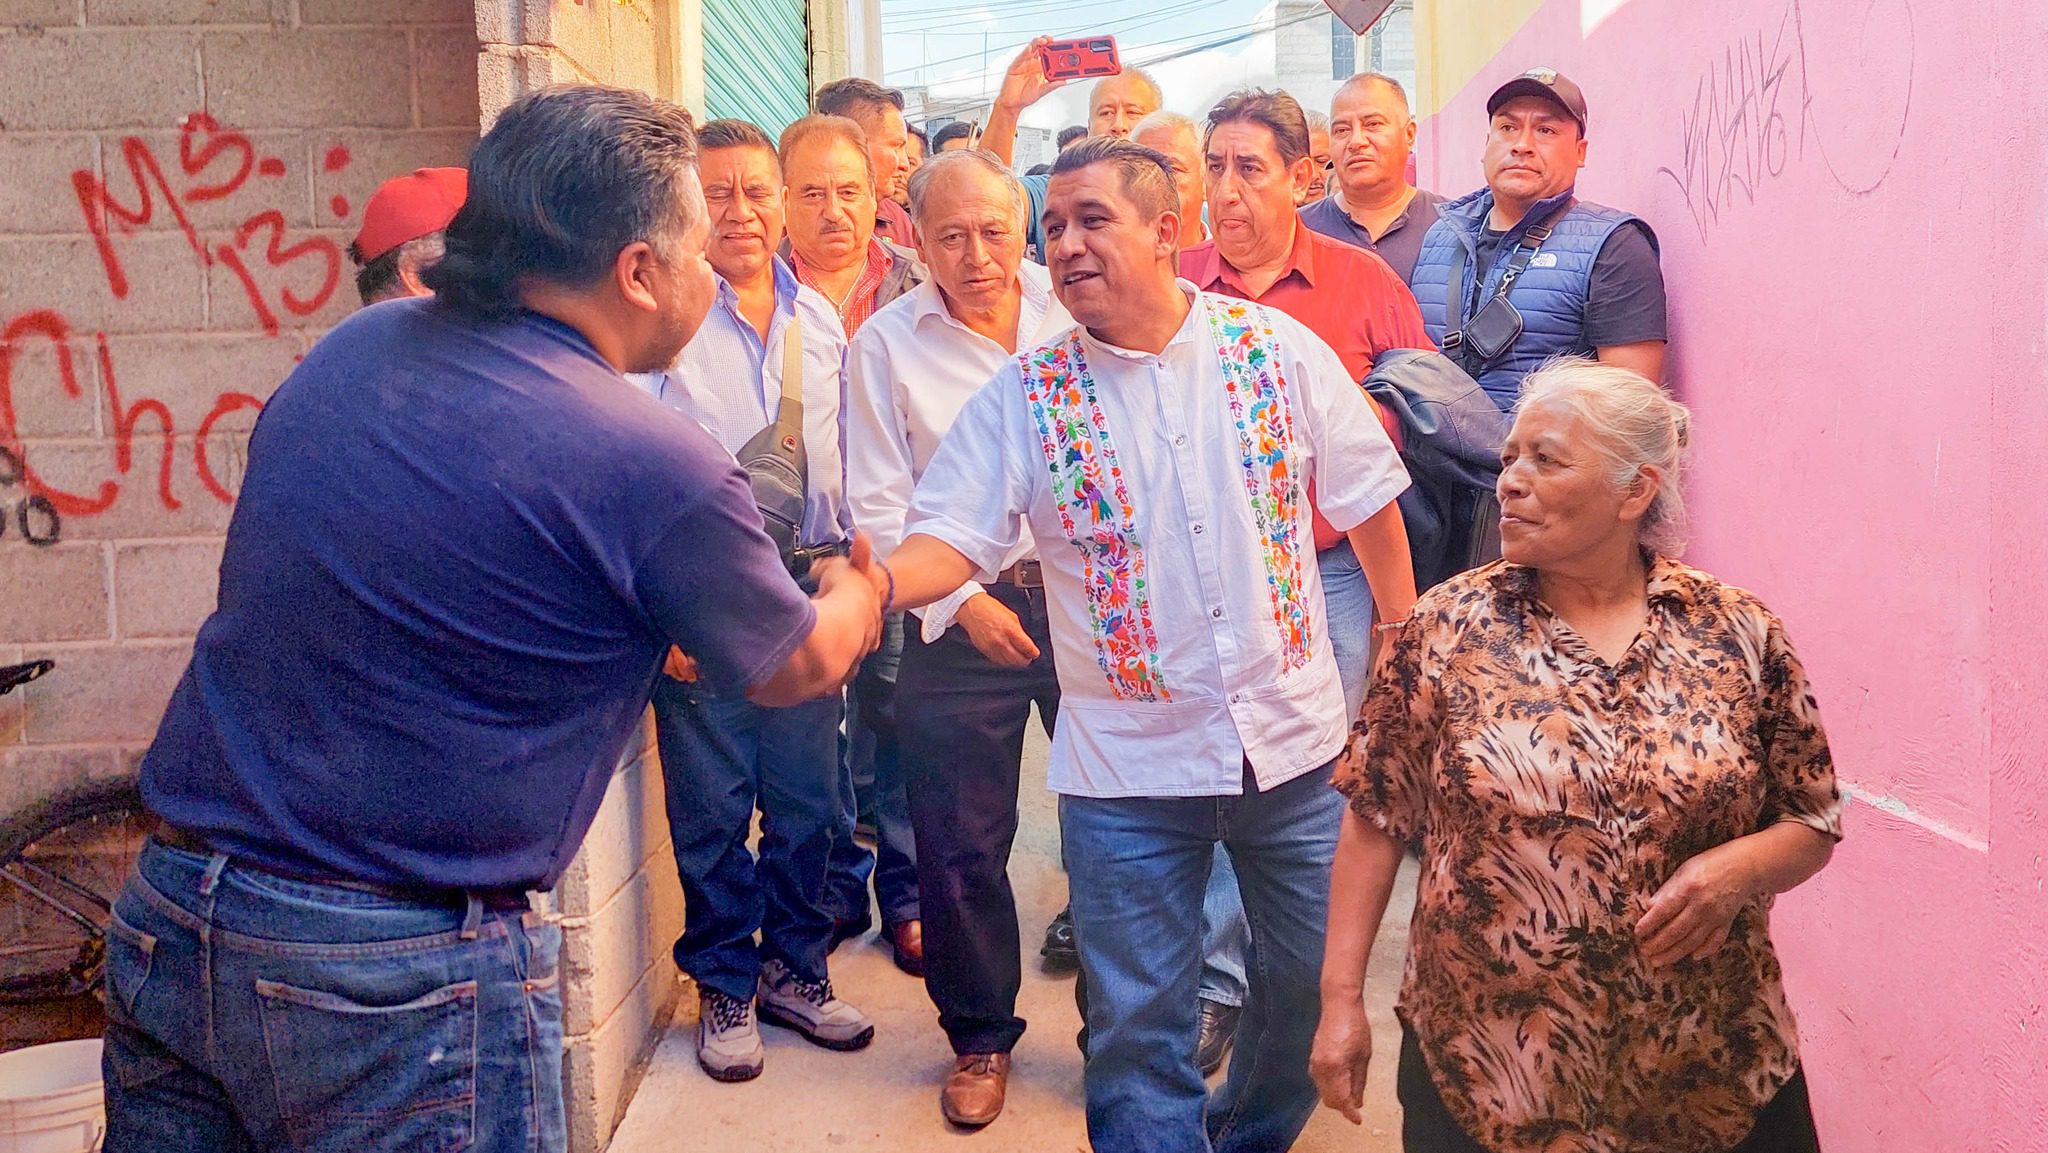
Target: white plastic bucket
(51, 1100)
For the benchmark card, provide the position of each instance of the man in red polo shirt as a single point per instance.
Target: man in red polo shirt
(1255, 156)
(1256, 166)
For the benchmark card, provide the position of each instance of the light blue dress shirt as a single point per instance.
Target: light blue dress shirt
(728, 380)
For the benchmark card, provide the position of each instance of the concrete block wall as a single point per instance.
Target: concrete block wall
(530, 44)
(620, 908)
(180, 180)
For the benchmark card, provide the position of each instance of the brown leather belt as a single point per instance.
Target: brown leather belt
(1025, 574)
(494, 900)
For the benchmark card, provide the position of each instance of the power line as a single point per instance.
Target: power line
(1228, 40)
(953, 105)
(956, 104)
(1127, 24)
(1022, 9)
(999, 7)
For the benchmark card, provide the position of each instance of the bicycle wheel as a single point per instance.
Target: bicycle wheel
(62, 862)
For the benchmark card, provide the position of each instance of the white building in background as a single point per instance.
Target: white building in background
(1034, 146)
(1313, 54)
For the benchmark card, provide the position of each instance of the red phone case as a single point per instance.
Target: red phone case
(1073, 59)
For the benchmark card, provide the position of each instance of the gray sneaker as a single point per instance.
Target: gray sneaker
(810, 1008)
(728, 1037)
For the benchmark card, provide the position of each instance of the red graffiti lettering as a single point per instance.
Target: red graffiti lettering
(279, 256)
(295, 276)
(195, 163)
(125, 420)
(101, 209)
(51, 327)
(228, 402)
(216, 163)
(127, 417)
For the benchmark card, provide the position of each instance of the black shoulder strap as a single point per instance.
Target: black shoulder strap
(1528, 246)
(789, 415)
(1467, 303)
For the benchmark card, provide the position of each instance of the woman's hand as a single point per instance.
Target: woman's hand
(1691, 915)
(1337, 1061)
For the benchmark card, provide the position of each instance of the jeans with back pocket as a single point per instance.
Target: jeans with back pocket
(249, 1011)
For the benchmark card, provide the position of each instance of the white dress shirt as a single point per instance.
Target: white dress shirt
(1169, 494)
(910, 369)
(730, 381)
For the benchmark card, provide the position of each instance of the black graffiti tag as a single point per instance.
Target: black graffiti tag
(1752, 117)
(31, 514)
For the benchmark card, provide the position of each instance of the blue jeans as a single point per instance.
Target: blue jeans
(721, 757)
(1347, 611)
(1226, 938)
(1348, 615)
(1137, 870)
(247, 1011)
(872, 783)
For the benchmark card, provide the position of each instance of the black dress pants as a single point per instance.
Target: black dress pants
(960, 722)
(1785, 1125)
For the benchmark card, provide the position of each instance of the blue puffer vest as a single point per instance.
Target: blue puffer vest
(1551, 294)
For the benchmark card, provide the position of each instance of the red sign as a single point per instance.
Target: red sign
(1359, 15)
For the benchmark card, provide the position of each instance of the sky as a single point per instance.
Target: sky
(941, 45)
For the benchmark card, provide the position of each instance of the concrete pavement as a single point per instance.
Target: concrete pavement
(885, 1098)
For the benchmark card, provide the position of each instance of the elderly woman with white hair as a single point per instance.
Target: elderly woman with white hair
(1608, 763)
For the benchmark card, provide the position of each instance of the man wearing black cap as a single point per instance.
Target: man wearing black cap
(1522, 270)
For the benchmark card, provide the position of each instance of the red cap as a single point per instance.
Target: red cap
(409, 207)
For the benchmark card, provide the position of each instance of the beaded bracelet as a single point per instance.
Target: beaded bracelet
(889, 601)
(1388, 626)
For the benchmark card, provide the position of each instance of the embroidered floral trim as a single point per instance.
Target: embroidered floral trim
(1249, 356)
(1097, 516)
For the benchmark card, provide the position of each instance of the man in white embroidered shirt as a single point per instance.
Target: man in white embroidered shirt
(1160, 453)
(976, 662)
(723, 756)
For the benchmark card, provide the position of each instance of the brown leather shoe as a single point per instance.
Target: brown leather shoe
(906, 942)
(973, 1096)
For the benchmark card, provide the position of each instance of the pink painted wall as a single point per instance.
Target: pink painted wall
(1850, 197)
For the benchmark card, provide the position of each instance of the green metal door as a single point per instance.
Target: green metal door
(757, 61)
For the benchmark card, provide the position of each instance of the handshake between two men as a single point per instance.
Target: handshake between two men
(854, 593)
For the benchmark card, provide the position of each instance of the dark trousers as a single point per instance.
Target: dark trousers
(722, 758)
(1785, 1125)
(961, 719)
(871, 785)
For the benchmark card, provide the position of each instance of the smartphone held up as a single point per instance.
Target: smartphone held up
(1088, 56)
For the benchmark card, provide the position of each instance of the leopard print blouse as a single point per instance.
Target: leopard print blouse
(1548, 796)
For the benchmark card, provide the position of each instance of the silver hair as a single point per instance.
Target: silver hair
(921, 180)
(1138, 74)
(1318, 122)
(1167, 120)
(1364, 78)
(1634, 423)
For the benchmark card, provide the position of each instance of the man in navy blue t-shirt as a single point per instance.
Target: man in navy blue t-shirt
(463, 546)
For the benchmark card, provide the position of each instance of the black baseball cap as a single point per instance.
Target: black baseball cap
(1548, 83)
